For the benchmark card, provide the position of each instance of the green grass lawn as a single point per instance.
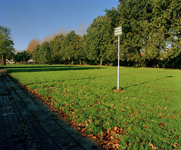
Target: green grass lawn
(146, 115)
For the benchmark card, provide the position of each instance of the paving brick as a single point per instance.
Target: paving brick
(2, 138)
(10, 145)
(44, 117)
(46, 122)
(67, 143)
(77, 148)
(59, 134)
(19, 145)
(52, 127)
(39, 113)
(2, 145)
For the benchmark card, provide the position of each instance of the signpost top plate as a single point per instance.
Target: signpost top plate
(118, 31)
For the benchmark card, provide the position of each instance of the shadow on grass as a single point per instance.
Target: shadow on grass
(145, 82)
(46, 68)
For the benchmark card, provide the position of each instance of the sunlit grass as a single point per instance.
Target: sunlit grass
(148, 109)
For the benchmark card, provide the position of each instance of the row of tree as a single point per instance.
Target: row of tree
(59, 50)
(151, 37)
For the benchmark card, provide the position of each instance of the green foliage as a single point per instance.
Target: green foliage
(151, 37)
(6, 44)
(22, 56)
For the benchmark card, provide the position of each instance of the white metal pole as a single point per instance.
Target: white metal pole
(118, 64)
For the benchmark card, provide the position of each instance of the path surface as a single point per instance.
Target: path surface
(27, 123)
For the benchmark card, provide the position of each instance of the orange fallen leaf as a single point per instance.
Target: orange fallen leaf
(167, 139)
(162, 124)
(153, 147)
(176, 145)
(116, 141)
(83, 130)
(116, 146)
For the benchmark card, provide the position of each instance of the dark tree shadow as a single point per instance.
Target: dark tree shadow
(146, 82)
(47, 68)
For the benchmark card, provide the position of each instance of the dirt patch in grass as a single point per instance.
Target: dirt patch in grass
(118, 90)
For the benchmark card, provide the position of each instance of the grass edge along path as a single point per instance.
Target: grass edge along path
(146, 115)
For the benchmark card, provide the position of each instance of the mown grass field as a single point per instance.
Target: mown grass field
(146, 115)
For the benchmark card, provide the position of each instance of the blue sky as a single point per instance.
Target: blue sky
(29, 19)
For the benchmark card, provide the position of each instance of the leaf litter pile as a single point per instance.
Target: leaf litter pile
(146, 114)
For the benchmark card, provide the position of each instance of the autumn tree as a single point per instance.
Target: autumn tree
(46, 38)
(81, 30)
(32, 44)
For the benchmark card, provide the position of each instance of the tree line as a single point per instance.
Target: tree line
(151, 37)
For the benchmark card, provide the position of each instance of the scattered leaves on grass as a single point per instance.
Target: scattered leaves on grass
(83, 101)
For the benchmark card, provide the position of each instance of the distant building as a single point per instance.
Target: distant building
(30, 60)
(7, 61)
(10, 61)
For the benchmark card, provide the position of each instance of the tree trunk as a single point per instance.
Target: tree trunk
(72, 62)
(3, 59)
(101, 61)
(80, 61)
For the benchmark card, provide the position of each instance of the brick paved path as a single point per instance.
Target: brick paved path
(14, 131)
(49, 131)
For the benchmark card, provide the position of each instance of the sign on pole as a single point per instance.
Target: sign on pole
(118, 32)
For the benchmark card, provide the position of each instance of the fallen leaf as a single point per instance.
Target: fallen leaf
(176, 145)
(162, 124)
(83, 130)
(116, 141)
(116, 146)
(167, 139)
(153, 147)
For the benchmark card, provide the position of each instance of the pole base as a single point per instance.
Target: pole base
(118, 90)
